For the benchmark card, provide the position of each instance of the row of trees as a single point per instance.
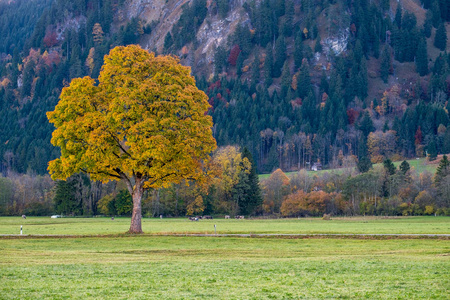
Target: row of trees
(384, 190)
(233, 189)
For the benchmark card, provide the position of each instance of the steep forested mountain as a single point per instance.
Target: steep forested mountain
(295, 81)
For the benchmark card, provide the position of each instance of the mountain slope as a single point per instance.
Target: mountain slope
(294, 81)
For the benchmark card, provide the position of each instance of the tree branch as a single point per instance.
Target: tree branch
(105, 173)
(120, 146)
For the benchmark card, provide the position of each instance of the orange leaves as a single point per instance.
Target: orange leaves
(301, 203)
(145, 116)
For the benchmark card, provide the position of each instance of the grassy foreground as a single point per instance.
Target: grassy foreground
(105, 226)
(158, 267)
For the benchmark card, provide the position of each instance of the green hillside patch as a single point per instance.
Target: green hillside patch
(420, 165)
(223, 268)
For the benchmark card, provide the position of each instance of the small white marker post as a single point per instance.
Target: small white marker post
(215, 229)
(21, 229)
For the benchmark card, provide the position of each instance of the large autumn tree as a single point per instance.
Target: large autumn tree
(144, 122)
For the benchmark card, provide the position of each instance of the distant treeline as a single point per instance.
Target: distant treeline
(233, 189)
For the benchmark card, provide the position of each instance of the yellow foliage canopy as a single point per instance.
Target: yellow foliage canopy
(144, 120)
(232, 164)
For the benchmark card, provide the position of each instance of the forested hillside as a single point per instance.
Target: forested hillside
(296, 82)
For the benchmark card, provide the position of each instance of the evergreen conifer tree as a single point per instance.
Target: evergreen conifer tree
(385, 64)
(255, 69)
(428, 24)
(304, 80)
(280, 56)
(404, 167)
(440, 39)
(432, 150)
(422, 58)
(442, 170)
(318, 45)
(285, 79)
(436, 13)
(366, 125)
(389, 166)
(398, 16)
(298, 50)
(252, 198)
(268, 66)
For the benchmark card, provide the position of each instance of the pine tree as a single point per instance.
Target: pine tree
(252, 198)
(285, 80)
(398, 16)
(366, 125)
(432, 150)
(364, 164)
(422, 58)
(239, 64)
(404, 167)
(223, 8)
(289, 18)
(440, 39)
(280, 56)
(65, 200)
(363, 81)
(298, 50)
(255, 69)
(220, 59)
(304, 80)
(436, 13)
(376, 47)
(389, 166)
(428, 24)
(385, 64)
(268, 66)
(386, 126)
(168, 42)
(442, 170)
(318, 46)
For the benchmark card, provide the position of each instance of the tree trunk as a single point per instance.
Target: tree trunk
(136, 217)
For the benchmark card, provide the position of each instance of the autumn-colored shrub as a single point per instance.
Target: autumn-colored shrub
(234, 53)
(300, 203)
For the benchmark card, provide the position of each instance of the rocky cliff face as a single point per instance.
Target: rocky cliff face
(163, 14)
(214, 31)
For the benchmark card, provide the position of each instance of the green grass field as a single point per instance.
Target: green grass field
(117, 266)
(157, 267)
(105, 226)
(418, 165)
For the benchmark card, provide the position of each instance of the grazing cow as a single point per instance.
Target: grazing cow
(193, 218)
(24, 217)
(207, 217)
(227, 217)
(239, 217)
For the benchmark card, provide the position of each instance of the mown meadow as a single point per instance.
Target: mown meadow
(337, 225)
(161, 267)
(114, 265)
